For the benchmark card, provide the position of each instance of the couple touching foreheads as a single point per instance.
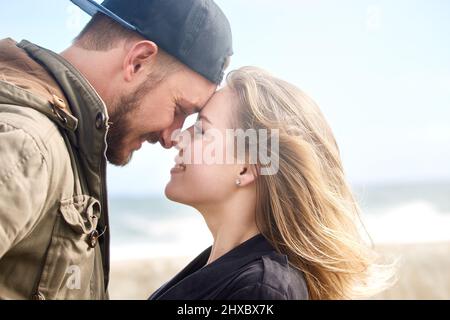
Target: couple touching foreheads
(260, 164)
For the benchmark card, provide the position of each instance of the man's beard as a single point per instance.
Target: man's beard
(121, 125)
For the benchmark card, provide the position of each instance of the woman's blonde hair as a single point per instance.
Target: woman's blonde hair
(307, 210)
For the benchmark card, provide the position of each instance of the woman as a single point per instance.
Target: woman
(293, 233)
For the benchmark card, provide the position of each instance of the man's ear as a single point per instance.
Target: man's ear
(139, 59)
(247, 175)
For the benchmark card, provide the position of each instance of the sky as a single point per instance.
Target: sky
(379, 70)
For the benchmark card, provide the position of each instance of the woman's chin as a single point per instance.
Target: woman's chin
(173, 194)
(168, 192)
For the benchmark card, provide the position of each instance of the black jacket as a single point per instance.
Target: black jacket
(251, 271)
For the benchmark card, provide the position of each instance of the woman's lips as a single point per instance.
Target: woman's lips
(179, 165)
(179, 168)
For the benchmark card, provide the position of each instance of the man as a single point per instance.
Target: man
(133, 75)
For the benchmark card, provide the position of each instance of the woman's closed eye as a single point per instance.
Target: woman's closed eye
(198, 128)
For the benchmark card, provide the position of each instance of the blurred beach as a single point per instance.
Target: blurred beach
(423, 273)
(153, 239)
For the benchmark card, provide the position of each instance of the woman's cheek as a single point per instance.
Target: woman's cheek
(208, 182)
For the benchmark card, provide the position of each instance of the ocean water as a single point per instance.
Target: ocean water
(393, 213)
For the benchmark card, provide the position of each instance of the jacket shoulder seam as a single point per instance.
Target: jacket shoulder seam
(38, 139)
(23, 159)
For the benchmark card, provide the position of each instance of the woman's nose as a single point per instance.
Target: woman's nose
(182, 140)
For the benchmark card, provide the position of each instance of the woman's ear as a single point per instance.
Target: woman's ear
(139, 59)
(247, 176)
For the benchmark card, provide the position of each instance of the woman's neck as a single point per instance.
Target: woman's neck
(231, 224)
(227, 239)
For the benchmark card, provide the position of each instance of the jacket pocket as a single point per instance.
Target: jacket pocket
(68, 271)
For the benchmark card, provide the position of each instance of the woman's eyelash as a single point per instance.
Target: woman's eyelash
(199, 128)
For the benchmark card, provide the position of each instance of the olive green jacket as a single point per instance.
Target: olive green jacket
(54, 235)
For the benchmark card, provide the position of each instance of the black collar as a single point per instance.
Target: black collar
(198, 277)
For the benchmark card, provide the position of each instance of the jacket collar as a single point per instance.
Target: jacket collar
(24, 82)
(197, 278)
(84, 103)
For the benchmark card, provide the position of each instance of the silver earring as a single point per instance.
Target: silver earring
(238, 182)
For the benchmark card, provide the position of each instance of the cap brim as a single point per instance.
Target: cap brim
(91, 8)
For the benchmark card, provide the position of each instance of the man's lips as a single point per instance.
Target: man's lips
(152, 138)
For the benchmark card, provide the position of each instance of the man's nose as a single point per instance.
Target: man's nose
(166, 139)
(166, 135)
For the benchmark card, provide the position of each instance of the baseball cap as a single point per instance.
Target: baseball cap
(196, 32)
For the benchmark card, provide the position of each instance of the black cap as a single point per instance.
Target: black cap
(196, 32)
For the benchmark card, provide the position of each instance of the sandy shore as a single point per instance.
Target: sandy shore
(424, 273)
(138, 279)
